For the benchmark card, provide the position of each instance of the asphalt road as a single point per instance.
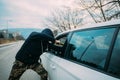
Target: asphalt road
(7, 57)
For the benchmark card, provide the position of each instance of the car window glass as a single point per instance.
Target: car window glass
(60, 45)
(91, 47)
(114, 66)
(61, 41)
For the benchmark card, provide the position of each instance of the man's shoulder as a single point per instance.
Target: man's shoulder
(35, 33)
(32, 33)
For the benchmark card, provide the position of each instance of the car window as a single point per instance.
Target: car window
(61, 41)
(91, 46)
(114, 66)
(60, 45)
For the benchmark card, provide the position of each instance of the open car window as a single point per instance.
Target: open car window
(61, 39)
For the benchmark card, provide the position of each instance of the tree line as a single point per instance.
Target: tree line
(96, 11)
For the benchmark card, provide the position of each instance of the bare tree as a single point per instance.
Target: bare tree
(101, 10)
(64, 19)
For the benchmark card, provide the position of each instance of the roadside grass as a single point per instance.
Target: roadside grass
(4, 41)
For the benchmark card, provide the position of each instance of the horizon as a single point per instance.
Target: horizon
(24, 31)
(28, 13)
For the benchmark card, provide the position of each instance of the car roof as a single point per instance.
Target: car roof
(107, 23)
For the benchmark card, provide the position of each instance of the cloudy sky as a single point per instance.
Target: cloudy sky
(27, 13)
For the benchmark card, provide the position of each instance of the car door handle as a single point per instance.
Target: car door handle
(53, 66)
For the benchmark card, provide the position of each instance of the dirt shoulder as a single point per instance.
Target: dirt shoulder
(4, 41)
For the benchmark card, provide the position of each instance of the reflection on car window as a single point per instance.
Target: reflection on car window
(114, 66)
(91, 47)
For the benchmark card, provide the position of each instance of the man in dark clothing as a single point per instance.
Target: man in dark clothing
(29, 54)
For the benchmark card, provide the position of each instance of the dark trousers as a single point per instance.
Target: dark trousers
(19, 68)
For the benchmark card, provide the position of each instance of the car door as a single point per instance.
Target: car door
(89, 52)
(51, 59)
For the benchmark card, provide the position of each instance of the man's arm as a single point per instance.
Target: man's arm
(40, 36)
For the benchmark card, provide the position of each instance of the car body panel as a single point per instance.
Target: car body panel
(58, 67)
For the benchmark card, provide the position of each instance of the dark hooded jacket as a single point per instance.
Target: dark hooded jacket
(34, 46)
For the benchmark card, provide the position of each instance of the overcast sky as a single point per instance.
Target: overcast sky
(27, 13)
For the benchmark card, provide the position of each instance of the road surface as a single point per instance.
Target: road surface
(7, 57)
